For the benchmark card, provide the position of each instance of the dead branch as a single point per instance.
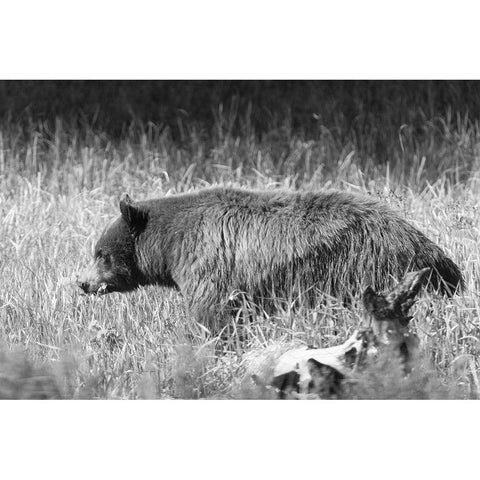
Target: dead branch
(318, 372)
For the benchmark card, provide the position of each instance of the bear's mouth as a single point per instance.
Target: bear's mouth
(102, 289)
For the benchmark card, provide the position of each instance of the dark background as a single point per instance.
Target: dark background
(115, 103)
(362, 112)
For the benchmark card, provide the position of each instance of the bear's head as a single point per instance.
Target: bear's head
(114, 267)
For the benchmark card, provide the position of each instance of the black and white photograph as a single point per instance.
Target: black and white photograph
(292, 240)
(239, 241)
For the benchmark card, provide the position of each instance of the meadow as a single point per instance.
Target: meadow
(60, 184)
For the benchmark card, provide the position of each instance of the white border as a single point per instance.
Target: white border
(239, 439)
(253, 39)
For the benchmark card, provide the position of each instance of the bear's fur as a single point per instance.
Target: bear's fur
(268, 244)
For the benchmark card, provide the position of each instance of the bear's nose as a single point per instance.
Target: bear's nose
(83, 285)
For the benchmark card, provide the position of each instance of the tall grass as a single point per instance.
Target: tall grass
(60, 185)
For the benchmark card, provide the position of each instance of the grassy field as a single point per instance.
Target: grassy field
(60, 186)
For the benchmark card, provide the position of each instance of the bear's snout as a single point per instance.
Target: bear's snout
(91, 282)
(88, 280)
(83, 282)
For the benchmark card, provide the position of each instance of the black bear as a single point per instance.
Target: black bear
(268, 244)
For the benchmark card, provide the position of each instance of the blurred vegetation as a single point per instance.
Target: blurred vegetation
(371, 116)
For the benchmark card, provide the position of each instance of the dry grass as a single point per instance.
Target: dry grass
(58, 189)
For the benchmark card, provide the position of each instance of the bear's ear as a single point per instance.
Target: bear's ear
(135, 216)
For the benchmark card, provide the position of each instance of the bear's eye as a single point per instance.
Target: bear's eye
(106, 259)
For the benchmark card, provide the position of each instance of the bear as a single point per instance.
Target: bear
(269, 245)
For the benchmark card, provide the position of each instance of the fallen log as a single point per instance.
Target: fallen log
(319, 372)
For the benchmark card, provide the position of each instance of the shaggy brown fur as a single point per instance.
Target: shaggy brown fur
(273, 244)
